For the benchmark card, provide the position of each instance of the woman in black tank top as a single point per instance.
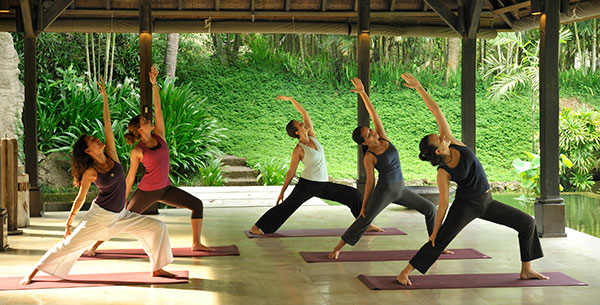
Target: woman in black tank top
(458, 163)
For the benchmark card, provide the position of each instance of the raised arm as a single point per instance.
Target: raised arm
(360, 89)
(305, 116)
(296, 157)
(159, 125)
(111, 148)
(443, 127)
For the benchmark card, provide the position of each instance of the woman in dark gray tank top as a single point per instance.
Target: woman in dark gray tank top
(380, 154)
(457, 162)
(94, 161)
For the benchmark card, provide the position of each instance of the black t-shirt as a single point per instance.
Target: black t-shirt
(468, 174)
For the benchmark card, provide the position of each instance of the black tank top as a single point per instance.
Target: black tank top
(388, 164)
(468, 174)
(111, 189)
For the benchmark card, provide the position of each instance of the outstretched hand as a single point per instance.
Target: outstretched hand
(153, 73)
(284, 98)
(411, 81)
(101, 86)
(358, 85)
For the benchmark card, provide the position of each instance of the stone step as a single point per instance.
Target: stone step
(241, 182)
(233, 160)
(239, 172)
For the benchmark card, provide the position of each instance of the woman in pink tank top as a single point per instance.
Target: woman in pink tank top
(153, 152)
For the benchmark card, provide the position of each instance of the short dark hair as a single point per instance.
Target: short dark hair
(428, 152)
(292, 129)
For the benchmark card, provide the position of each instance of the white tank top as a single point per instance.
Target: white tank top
(315, 167)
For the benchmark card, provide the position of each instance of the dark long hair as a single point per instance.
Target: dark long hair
(291, 129)
(358, 138)
(428, 152)
(133, 135)
(80, 160)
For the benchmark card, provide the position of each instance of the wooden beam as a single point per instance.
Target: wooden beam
(355, 6)
(287, 5)
(323, 5)
(475, 14)
(180, 5)
(392, 5)
(30, 123)
(506, 17)
(363, 58)
(54, 11)
(27, 20)
(252, 5)
(217, 5)
(510, 8)
(447, 15)
(107, 4)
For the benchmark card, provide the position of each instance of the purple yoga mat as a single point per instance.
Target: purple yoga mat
(177, 252)
(93, 280)
(388, 255)
(320, 232)
(441, 281)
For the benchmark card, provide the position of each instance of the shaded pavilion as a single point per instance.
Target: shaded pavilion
(468, 20)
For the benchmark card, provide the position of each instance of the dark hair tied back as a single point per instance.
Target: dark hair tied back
(291, 129)
(358, 138)
(133, 136)
(428, 152)
(80, 160)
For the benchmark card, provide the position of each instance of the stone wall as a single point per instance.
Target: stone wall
(11, 89)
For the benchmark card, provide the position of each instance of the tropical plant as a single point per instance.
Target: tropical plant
(272, 172)
(210, 172)
(529, 172)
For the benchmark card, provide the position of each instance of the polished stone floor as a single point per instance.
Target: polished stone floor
(270, 271)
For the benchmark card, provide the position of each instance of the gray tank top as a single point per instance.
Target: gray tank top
(315, 167)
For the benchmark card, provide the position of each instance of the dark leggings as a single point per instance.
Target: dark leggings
(170, 195)
(483, 206)
(274, 218)
(384, 194)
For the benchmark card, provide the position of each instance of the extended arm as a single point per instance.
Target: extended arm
(360, 89)
(303, 112)
(159, 121)
(86, 180)
(369, 162)
(111, 148)
(134, 163)
(443, 127)
(443, 181)
(296, 157)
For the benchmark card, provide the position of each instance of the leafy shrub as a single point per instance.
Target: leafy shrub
(210, 173)
(529, 171)
(272, 172)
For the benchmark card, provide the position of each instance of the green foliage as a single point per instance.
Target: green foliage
(584, 85)
(580, 140)
(529, 171)
(210, 173)
(272, 172)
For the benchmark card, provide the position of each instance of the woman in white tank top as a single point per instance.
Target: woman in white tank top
(314, 180)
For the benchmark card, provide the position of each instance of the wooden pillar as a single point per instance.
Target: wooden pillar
(549, 208)
(363, 61)
(30, 125)
(468, 15)
(145, 65)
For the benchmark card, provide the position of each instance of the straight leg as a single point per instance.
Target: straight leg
(343, 194)
(414, 201)
(275, 217)
(142, 200)
(379, 199)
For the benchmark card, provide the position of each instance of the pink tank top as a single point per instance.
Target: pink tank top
(156, 162)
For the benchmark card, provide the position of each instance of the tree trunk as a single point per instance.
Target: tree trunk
(581, 63)
(107, 57)
(171, 54)
(112, 57)
(87, 58)
(594, 46)
(453, 56)
(94, 59)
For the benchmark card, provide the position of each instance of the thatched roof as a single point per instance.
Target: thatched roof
(387, 17)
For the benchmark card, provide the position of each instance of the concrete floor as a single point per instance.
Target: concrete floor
(270, 271)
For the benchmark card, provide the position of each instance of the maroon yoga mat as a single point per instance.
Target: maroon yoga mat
(441, 281)
(320, 232)
(93, 280)
(177, 252)
(387, 255)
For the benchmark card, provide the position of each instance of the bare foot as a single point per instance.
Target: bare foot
(374, 228)
(403, 279)
(447, 252)
(91, 251)
(334, 254)
(26, 280)
(256, 231)
(202, 247)
(532, 274)
(163, 273)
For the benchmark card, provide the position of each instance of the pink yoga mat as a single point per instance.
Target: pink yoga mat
(388, 255)
(177, 252)
(320, 232)
(93, 280)
(467, 281)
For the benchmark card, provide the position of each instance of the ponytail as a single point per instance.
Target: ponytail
(428, 152)
(358, 138)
